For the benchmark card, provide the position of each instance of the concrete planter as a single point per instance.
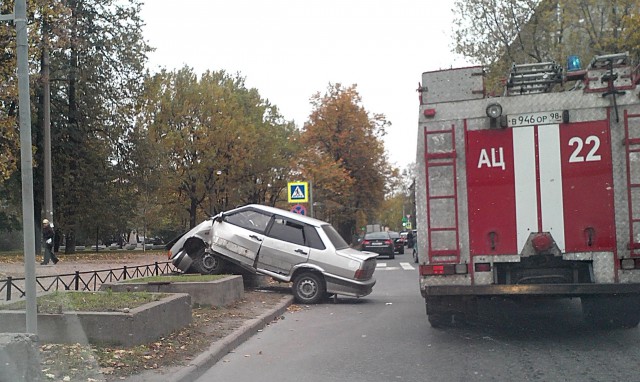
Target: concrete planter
(210, 293)
(140, 325)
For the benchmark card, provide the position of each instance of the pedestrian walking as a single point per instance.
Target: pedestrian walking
(410, 238)
(48, 236)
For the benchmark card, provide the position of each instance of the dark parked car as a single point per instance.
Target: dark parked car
(378, 242)
(398, 242)
(289, 247)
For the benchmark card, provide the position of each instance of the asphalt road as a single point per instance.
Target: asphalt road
(386, 337)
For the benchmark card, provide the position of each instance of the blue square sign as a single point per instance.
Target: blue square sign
(298, 192)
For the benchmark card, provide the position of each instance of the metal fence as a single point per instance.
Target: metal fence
(12, 287)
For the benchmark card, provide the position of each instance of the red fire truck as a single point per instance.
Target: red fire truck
(535, 192)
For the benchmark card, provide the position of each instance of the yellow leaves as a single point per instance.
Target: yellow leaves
(344, 154)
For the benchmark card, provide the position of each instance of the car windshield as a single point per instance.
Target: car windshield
(335, 238)
(377, 235)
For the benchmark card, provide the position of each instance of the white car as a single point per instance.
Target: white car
(286, 246)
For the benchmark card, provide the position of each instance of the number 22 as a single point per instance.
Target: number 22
(591, 156)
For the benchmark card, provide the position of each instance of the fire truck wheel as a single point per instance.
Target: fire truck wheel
(439, 320)
(446, 320)
(611, 311)
(441, 314)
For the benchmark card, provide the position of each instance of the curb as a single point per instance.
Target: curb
(218, 350)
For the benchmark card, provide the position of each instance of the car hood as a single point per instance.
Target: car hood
(355, 254)
(202, 231)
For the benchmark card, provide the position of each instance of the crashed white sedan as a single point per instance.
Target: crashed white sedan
(286, 246)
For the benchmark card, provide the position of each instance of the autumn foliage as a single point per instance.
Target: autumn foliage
(345, 158)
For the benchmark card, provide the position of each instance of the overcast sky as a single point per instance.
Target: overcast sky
(291, 49)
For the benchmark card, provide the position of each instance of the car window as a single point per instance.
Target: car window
(376, 235)
(287, 230)
(312, 237)
(335, 238)
(249, 219)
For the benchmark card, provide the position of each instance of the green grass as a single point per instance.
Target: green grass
(179, 278)
(58, 302)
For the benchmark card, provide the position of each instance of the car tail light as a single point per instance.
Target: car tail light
(388, 242)
(366, 242)
(361, 274)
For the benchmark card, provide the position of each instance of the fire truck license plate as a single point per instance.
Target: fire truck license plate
(530, 119)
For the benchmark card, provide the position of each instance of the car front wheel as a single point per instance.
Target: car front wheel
(206, 263)
(308, 288)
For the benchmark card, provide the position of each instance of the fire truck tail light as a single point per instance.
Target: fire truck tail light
(627, 264)
(483, 267)
(443, 269)
(630, 264)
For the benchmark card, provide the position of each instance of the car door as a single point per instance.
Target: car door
(240, 234)
(285, 245)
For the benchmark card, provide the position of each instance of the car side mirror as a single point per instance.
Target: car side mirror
(220, 217)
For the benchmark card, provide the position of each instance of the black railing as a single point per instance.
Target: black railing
(84, 281)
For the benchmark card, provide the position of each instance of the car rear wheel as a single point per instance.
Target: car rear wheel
(308, 288)
(401, 251)
(392, 256)
(206, 263)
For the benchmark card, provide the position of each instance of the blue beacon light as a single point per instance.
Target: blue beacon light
(573, 63)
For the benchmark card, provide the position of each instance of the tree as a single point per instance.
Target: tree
(501, 32)
(97, 59)
(217, 143)
(345, 159)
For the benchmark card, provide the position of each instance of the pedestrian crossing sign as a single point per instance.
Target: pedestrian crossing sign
(298, 192)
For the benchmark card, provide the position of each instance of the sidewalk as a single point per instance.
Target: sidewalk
(234, 326)
(217, 351)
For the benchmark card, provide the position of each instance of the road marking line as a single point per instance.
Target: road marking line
(381, 265)
(407, 266)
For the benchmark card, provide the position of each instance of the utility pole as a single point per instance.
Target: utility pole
(26, 160)
(46, 108)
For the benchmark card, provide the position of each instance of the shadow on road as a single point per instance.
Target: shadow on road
(532, 319)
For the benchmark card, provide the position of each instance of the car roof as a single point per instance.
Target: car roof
(278, 211)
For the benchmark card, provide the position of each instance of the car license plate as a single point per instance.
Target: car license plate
(376, 243)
